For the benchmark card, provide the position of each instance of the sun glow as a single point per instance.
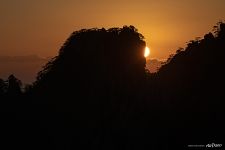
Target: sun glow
(147, 52)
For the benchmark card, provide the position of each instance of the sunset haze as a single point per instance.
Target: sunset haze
(41, 27)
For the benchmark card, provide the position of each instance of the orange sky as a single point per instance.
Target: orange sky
(41, 26)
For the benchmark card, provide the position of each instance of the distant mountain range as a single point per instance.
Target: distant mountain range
(26, 58)
(23, 67)
(153, 65)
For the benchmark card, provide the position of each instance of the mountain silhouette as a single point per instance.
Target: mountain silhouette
(191, 86)
(114, 102)
(102, 97)
(117, 65)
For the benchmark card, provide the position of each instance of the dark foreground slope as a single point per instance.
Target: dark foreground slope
(115, 103)
(189, 90)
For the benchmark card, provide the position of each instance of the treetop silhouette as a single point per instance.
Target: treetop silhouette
(94, 64)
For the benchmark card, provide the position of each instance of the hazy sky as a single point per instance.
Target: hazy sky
(41, 26)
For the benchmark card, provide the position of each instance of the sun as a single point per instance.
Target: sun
(147, 52)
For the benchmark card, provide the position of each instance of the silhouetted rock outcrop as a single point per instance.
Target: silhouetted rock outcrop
(117, 66)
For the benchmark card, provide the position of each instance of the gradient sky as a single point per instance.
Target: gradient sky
(41, 26)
